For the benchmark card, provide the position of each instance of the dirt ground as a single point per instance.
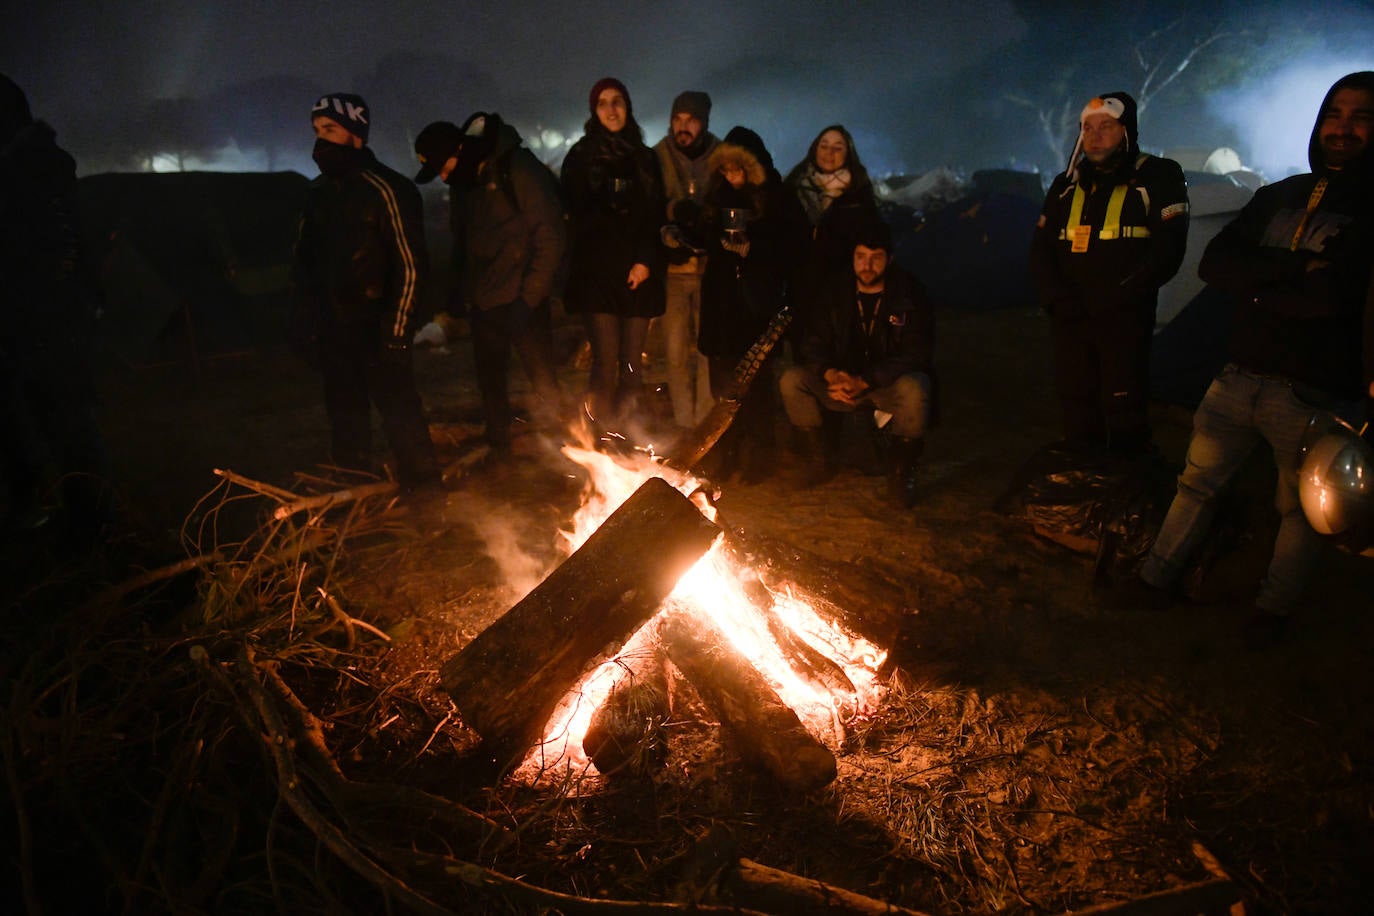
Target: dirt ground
(1040, 751)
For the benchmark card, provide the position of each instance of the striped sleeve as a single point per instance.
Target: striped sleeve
(405, 251)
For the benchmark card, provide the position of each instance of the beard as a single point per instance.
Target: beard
(1342, 149)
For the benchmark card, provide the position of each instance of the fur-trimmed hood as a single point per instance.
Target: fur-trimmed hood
(744, 148)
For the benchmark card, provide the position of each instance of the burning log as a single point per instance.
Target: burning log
(688, 450)
(508, 681)
(863, 599)
(765, 728)
(626, 731)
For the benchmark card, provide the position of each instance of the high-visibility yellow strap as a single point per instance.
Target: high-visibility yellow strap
(1075, 212)
(1111, 226)
(1312, 200)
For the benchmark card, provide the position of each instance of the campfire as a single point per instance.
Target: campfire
(654, 588)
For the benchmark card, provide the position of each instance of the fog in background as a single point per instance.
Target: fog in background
(921, 85)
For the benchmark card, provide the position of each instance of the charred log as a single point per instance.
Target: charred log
(765, 729)
(508, 681)
(864, 600)
(626, 732)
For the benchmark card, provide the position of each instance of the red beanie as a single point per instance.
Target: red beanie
(610, 82)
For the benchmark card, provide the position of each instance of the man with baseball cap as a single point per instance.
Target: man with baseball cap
(509, 239)
(359, 272)
(1112, 231)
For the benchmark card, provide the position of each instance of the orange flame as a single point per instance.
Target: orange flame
(713, 588)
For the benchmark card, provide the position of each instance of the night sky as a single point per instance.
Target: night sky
(920, 85)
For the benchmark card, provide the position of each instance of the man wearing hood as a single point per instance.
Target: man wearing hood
(509, 240)
(359, 271)
(1113, 230)
(47, 396)
(684, 156)
(1296, 262)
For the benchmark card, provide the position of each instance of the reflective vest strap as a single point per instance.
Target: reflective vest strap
(1111, 226)
(1075, 213)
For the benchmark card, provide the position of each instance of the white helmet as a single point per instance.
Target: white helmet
(1336, 482)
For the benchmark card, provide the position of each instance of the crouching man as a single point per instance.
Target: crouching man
(868, 345)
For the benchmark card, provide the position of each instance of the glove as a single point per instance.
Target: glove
(736, 243)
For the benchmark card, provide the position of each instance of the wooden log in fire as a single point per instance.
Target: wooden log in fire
(864, 600)
(625, 734)
(765, 728)
(508, 681)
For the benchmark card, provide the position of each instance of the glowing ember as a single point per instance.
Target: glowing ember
(714, 589)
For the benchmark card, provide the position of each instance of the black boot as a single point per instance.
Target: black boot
(902, 478)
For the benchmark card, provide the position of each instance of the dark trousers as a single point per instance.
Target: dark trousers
(617, 376)
(1102, 378)
(495, 332)
(359, 372)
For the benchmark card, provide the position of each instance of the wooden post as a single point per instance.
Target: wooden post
(508, 681)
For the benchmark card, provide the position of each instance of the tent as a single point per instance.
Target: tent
(973, 252)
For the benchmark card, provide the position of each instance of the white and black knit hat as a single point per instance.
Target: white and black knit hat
(347, 110)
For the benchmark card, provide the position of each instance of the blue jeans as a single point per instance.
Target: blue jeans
(1240, 410)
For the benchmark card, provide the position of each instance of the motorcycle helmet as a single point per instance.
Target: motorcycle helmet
(1336, 481)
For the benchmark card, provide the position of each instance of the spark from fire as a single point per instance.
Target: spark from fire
(715, 589)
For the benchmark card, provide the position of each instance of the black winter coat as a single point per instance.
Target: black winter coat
(740, 295)
(1303, 324)
(903, 338)
(1113, 274)
(509, 234)
(611, 230)
(361, 251)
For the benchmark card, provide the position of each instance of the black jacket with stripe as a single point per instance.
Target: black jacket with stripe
(1132, 248)
(361, 251)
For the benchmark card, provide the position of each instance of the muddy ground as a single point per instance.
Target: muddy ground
(1041, 750)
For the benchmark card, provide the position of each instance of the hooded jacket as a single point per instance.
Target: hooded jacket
(361, 250)
(1133, 245)
(509, 233)
(1300, 280)
(741, 294)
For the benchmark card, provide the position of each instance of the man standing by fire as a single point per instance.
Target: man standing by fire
(359, 269)
(867, 343)
(1297, 262)
(509, 240)
(684, 156)
(1113, 230)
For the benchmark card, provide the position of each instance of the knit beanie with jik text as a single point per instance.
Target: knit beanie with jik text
(347, 110)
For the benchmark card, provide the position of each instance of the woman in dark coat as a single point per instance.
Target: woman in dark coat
(614, 193)
(756, 237)
(835, 191)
